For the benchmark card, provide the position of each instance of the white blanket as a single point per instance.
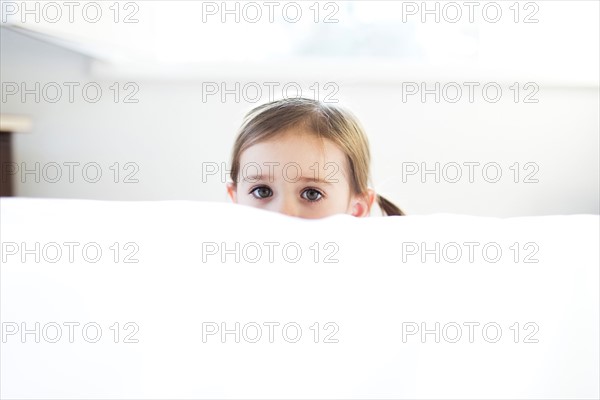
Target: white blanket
(335, 308)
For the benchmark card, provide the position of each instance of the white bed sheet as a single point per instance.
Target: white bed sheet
(376, 291)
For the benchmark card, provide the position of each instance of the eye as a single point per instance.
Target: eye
(262, 192)
(312, 195)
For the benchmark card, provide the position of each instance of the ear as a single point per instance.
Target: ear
(361, 204)
(232, 191)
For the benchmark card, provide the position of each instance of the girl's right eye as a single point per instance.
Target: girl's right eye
(262, 192)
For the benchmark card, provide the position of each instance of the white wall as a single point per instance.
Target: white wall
(171, 132)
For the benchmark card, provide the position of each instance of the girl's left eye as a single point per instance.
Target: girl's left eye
(312, 195)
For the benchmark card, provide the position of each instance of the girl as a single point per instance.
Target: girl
(303, 158)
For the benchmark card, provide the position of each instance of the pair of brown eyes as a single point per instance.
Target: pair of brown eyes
(309, 194)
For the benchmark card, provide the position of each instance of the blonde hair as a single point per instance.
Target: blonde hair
(326, 122)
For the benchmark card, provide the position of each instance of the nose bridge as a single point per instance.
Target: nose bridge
(287, 205)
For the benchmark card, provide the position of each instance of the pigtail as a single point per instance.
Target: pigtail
(388, 207)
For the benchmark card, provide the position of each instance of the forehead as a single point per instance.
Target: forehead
(295, 145)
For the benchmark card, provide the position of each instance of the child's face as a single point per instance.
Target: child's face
(290, 174)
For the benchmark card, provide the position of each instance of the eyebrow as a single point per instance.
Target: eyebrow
(256, 178)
